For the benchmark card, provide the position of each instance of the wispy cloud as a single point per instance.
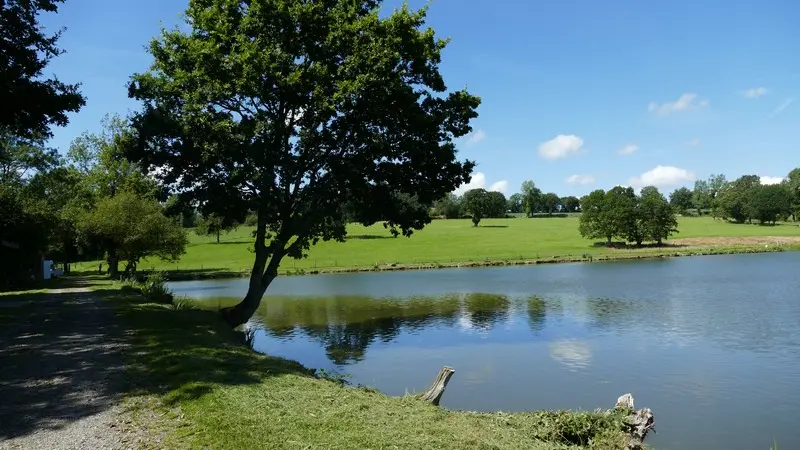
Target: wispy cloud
(684, 103)
(692, 142)
(782, 107)
(475, 137)
(628, 149)
(560, 146)
(755, 92)
(580, 180)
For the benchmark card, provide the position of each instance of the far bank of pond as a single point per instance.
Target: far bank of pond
(711, 340)
(669, 251)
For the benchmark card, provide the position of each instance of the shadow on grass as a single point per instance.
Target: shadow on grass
(69, 355)
(493, 226)
(625, 245)
(366, 237)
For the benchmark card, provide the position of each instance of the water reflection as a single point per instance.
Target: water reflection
(346, 326)
(574, 354)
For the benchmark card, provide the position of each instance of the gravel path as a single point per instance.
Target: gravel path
(61, 369)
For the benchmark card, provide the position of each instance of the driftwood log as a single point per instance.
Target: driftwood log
(434, 393)
(640, 422)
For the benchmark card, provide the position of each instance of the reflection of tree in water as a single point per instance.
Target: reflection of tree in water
(485, 310)
(346, 327)
(537, 313)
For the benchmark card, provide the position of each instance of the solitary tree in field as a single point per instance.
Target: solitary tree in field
(655, 215)
(214, 225)
(531, 197)
(289, 108)
(477, 203)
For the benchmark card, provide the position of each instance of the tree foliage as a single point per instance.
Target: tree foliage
(550, 202)
(450, 206)
(622, 214)
(736, 200)
(571, 204)
(287, 107)
(214, 225)
(772, 202)
(531, 197)
(683, 199)
(31, 103)
(132, 227)
(514, 203)
(476, 204)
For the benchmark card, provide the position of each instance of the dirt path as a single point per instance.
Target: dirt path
(61, 369)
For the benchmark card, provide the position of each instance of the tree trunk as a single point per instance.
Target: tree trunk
(435, 392)
(609, 240)
(261, 277)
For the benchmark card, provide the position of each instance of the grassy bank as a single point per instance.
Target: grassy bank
(193, 383)
(446, 243)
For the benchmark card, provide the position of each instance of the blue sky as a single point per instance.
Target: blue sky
(577, 94)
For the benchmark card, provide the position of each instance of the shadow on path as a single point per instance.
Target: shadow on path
(60, 360)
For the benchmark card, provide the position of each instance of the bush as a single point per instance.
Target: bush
(251, 220)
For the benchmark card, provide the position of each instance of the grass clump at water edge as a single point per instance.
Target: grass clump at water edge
(215, 392)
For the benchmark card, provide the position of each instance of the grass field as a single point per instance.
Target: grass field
(445, 242)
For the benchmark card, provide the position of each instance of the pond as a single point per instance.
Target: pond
(710, 344)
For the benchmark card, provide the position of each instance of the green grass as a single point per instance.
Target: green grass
(193, 383)
(456, 241)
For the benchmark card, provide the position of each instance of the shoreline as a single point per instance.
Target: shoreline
(487, 262)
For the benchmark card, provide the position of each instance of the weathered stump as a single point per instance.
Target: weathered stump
(640, 422)
(434, 393)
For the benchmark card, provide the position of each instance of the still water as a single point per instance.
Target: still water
(710, 344)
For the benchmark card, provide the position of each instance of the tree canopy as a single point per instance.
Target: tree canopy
(31, 103)
(287, 107)
(622, 214)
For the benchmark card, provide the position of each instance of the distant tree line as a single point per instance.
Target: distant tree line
(745, 199)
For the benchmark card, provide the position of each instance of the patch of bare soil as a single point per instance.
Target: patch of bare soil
(736, 241)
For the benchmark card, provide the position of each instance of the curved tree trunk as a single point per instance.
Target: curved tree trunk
(265, 269)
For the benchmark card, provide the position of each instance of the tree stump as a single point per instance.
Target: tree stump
(434, 393)
(640, 422)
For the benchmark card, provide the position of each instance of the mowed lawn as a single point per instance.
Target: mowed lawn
(448, 241)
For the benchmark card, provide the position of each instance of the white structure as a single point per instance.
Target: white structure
(47, 269)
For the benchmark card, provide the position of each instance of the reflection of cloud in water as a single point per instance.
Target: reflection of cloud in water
(572, 353)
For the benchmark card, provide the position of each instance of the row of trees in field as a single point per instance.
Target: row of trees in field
(621, 214)
(479, 203)
(743, 200)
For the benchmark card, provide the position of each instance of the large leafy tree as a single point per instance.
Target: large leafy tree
(792, 182)
(497, 204)
(477, 203)
(514, 203)
(31, 102)
(531, 197)
(571, 204)
(133, 227)
(595, 220)
(772, 202)
(214, 225)
(550, 202)
(655, 215)
(288, 108)
(682, 199)
(736, 200)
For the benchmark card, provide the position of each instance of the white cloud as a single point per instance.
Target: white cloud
(785, 104)
(629, 149)
(683, 103)
(755, 92)
(580, 180)
(771, 180)
(662, 176)
(475, 137)
(560, 146)
(478, 181)
(499, 186)
(693, 142)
